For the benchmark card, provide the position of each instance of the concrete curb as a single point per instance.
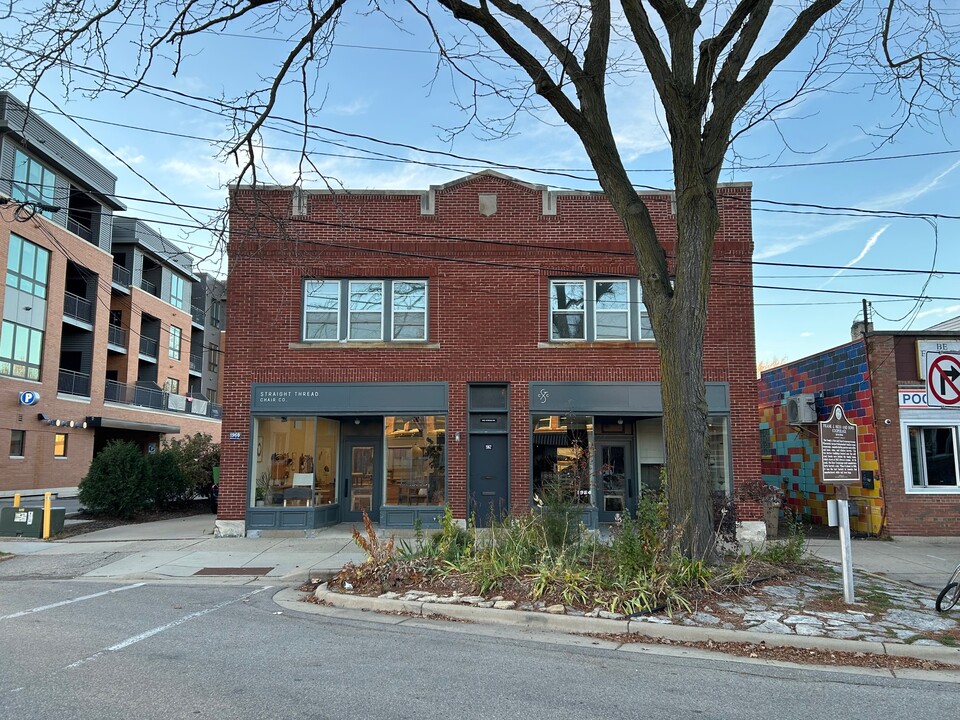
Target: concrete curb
(678, 633)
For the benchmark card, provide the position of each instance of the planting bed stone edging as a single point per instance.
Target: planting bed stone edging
(644, 628)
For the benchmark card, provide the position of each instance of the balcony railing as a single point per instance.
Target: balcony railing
(157, 399)
(116, 335)
(76, 307)
(78, 229)
(121, 276)
(149, 287)
(198, 314)
(149, 347)
(71, 382)
(196, 363)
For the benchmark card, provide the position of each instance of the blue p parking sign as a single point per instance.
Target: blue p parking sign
(29, 397)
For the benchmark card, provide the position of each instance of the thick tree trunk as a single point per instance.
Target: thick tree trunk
(679, 323)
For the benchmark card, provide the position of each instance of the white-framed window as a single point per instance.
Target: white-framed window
(930, 455)
(597, 310)
(409, 310)
(377, 310)
(365, 319)
(611, 309)
(173, 348)
(568, 310)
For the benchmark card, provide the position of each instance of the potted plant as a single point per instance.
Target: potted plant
(263, 485)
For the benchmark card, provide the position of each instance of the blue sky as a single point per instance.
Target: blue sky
(382, 82)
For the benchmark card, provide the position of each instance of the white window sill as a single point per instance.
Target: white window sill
(362, 345)
(941, 490)
(595, 344)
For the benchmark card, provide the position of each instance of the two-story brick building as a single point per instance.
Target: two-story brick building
(100, 337)
(396, 351)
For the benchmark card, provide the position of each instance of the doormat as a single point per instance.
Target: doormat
(233, 571)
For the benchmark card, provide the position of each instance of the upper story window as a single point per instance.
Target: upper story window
(597, 310)
(22, 333)
(176, 291)
(32, 182)
(365, 310)
(213, 359)
(173, 349)
(27, 266)
(216, 313)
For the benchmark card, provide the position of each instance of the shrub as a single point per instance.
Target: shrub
(197, 455)
(117, 482)
(166, 481)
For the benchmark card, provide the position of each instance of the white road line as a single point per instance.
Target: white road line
(938, 558)
(68, 602)
(157, 630)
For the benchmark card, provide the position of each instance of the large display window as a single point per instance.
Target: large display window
(415, 459)
(295, 461)
(562, 461)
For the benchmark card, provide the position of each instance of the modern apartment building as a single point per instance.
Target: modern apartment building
(100, 338)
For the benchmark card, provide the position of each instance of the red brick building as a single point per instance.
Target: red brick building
(396, 351)
(101, 339)
(907, 438)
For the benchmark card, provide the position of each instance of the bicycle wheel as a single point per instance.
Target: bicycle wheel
(948, 597)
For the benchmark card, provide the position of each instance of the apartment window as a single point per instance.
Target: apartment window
(213, 358)
(216, 313)
(17, 441)
(22, 331)
(611, 310)
(365, 310)
(173, 348)
(32, 182)
(933, 458)
(568, 310)
(409, 311)
(60, 445)
(171, 386)
(176, 291)
(597, 310)
(212, 395)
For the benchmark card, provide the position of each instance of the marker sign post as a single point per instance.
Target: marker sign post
(840, 465)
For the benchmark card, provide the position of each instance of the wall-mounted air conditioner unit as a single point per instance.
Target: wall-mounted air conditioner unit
(801, 409)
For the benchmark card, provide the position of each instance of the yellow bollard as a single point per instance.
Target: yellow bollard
(46, 515)
(16, 500)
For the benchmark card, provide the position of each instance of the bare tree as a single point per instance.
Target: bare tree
(709, 61)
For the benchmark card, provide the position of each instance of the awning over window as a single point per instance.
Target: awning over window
(119, 424)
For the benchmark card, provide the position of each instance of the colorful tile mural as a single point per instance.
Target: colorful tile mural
(791, 458)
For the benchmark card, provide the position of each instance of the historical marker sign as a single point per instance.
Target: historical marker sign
(839, 452)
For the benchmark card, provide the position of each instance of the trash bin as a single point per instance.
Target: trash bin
(28, 521)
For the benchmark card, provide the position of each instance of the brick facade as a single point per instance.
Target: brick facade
(865, 377)
(488, 304)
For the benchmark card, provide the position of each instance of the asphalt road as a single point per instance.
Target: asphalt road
(72, 649)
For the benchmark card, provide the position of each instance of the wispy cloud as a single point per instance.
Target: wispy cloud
(871, 241)
(357, 107)
(949, 310)
(891, 201)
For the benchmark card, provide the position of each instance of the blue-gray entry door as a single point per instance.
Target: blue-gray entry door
(360, 485)
(616, 479)
(489, 480)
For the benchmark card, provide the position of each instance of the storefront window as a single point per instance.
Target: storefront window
(562, 461)
(416, 459)
(933, 457)
(294, 462)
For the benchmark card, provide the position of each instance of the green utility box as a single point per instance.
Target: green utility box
(28, 521)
